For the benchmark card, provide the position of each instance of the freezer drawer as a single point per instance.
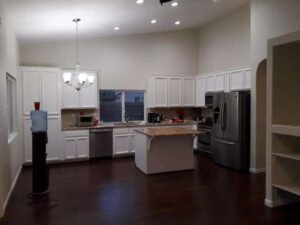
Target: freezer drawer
(227, 153)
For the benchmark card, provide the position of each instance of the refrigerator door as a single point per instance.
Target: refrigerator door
(226, 153)
(231, 116)
(217, 117)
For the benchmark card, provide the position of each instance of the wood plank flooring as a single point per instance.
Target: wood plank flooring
(114, 192)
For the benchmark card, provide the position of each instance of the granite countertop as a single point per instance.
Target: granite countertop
(167, 131)
(128, 125)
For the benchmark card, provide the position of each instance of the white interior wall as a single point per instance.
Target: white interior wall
(269, 19)
(225, 43)
(124, 62)
(11, 155)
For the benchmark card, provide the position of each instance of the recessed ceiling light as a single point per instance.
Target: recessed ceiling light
(177, 23)
(153, 21)
(215, 0)
(117, 28)
(139, 1)
(174, 4)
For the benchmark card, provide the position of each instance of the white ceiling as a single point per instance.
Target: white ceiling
(39, 20)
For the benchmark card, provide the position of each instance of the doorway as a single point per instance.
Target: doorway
(261, 108)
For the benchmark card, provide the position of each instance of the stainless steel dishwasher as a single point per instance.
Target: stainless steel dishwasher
(101, 142)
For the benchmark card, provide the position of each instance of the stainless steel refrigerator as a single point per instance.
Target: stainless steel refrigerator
(231, 129)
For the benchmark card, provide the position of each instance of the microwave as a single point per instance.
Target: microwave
(209, 100)
(85, 120)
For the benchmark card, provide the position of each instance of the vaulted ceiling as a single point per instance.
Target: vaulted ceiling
(38, 20)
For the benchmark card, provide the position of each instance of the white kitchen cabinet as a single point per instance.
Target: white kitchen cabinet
(240, 79)
(123, 141)
(210, 84)
(175, 90)
(236, 80)
(76, 145)
(219, 82)
(43, 85)
(70, 148)
(247, 79)
(158, 92)
(200, 91)
(82, 147)
(53, 146)
(188, 91)
(121, 144)
(31, 89)
(86, 97)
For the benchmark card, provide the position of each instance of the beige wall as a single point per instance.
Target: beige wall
(123, 62)
(225, 43)
(269, 19)
(11, 155)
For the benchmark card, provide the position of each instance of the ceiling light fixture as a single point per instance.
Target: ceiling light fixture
(117, 28)
(139, 2)
(177, 23)
(175, 4)
(77, 80)
(153, 21)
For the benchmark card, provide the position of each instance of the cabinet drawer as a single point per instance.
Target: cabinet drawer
(76, 133)
(121, 131)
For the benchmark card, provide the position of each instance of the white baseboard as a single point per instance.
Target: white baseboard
(281, 202)
(259, 170)
(11, 189)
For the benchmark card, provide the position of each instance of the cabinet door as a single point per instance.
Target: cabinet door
(50, 91)
(174, 86)
(132, 137)
(220, 81)
(70, 148)
(121, 144)
(247, 79)
(70, 97)
(188, 91)
(200, 92)
(82, 147)
(236, 80)
(210, 84)
(88, 95)
(161, 92)
(27, 140)
(31, 89)
(54, 139)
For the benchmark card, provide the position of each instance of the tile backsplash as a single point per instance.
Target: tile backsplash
(69, 116)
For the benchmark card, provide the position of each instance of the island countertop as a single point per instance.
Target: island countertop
(167, 131)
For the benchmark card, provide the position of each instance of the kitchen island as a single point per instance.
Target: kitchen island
(159, 150)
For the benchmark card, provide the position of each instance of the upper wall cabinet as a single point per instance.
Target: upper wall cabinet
(165, 91)
(41, 85)
(200, 91)
(158, 92)
(210, 84)
(86, 98)
(240, 79)
(188, 91)
(175, 91)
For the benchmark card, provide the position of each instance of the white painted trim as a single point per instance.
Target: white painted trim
(282, 202)
(11, 189)
(259, 170)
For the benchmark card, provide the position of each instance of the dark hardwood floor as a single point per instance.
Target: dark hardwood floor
(114, 192)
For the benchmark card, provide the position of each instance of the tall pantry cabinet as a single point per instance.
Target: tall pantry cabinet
(44, 85)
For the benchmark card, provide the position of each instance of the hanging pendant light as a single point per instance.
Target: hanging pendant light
(77, 79)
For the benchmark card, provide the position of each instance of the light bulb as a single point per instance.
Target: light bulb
(82, 77)
(91, 79)
(67, 77)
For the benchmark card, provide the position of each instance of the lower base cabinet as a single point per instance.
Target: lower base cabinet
(123, 142)
(76, 145)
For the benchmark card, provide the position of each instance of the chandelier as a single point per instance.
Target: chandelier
(77, 79)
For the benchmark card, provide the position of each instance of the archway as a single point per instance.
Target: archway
(261, 108)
